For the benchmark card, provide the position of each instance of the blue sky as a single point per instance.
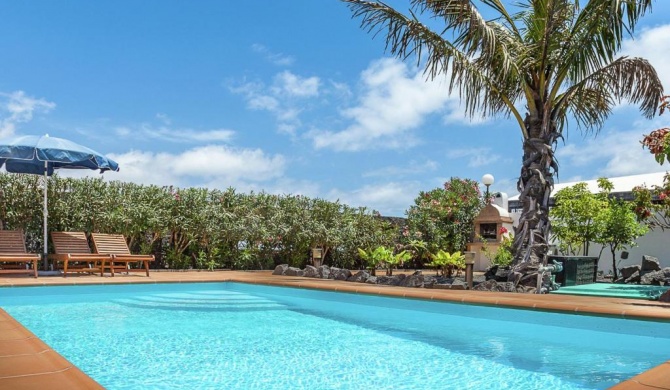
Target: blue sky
(287, 97)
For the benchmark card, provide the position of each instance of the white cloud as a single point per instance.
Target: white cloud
(477, 157)
(233, 164)
(164, 133)
(340, 90)
(288, 115)
(164, 119)
(394, 102)
(653, 45)
(287, 128)
(213, 166)
(263, 102)
(287, 83)
(286, 98)
(456, 114)
(19, 108)
(617, 153)
(279, 59)
(123, 131)
(410, 168)
(390, 199)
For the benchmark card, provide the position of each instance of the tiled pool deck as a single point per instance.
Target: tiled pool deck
(28, 363)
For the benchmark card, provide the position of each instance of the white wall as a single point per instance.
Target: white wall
(655, 243)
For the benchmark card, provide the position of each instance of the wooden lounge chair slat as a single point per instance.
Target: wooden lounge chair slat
(116, 246)
(14, 258)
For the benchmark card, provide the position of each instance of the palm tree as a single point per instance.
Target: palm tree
(554, 59)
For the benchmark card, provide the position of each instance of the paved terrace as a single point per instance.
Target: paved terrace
(28, 363)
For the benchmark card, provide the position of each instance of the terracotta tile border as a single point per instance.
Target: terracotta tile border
(26, 362)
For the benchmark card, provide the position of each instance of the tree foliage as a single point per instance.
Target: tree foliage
(581, 217)
(619, 228)
(573, 218)
(658, 141)
(652, 205)
(444, 217)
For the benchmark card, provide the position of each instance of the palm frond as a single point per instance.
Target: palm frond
(591, 100)
(636, 80)
(505, 16)
(475, 36)
(598, 32)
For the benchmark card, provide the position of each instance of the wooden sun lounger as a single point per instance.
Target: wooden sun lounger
(13, 255)
(72, 247)
(116, 246)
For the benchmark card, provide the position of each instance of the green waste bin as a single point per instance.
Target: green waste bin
(577, 270)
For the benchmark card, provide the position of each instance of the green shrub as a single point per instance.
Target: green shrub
(447, 262)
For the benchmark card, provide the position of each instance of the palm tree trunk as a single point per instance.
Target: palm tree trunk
(535, 185)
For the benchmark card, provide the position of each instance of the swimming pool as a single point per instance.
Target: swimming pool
(233, 335)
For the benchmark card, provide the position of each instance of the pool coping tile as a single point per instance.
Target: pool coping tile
(656, 378)
(26, 362)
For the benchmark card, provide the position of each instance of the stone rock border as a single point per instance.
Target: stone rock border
(649, 272)
(496, 278)
(498, 282)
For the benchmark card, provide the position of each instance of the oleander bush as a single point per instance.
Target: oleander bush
(443, 218)
(195, 227)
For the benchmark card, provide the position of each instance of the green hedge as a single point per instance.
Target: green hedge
(195, 227)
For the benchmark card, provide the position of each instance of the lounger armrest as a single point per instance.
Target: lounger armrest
(79, 256)
(18, 256)
(133, 257)
(89, 256)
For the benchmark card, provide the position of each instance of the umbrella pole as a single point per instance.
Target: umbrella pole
(46, 214)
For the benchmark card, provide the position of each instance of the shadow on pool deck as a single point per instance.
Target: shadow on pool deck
(28, 363)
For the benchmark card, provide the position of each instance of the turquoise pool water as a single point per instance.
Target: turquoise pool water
(237, 336)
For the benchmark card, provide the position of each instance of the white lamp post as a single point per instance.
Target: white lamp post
(488, 180)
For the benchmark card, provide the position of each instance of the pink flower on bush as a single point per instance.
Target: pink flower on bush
(503, 230)
(662, 196)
